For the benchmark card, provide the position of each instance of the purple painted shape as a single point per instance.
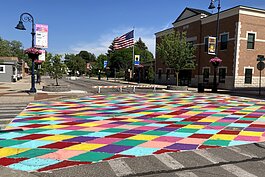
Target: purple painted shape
(134, 131)
(112, 148)
(80, 139)
(201, 123)
(180, 146)
(254, 129)
(168, 129)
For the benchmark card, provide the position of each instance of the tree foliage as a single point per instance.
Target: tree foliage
(87, 56)
(176, 52)
(56, 67)
(75, 64)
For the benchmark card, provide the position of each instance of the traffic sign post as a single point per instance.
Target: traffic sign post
(260, 67)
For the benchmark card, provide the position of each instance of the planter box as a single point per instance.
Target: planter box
(54, 88)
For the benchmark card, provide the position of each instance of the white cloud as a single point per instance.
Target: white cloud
(101, 45)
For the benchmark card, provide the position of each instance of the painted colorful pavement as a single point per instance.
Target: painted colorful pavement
(96, 128)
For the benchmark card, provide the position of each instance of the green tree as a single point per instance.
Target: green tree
(57, 68)
(177, 52)
(87, 56)
(75, 64)
(142, 50)
(151, 74)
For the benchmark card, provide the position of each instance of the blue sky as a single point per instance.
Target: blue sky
(92, 24)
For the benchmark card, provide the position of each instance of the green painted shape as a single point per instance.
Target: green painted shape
(77, 133)
(220, 124)
(33, 153)
(152, 132)
(217, 142)
(128, 142)
(91, 156)
(11, 142)
(187, 130)
(115, 130)
(138, 123)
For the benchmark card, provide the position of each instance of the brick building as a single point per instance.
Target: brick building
(241, 38)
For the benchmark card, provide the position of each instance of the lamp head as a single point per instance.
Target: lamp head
(20, 26)
(211, 6)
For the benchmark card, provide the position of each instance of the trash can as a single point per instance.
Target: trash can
(200, 87)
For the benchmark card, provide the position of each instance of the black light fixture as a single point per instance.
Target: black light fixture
(26, 17)
(20, 26)
(211, 6)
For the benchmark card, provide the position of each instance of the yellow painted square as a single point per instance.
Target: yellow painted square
(130, 120)
(54, 126)
(143, 137)
(195, 126)
(4, 152)
(57, 137)
(51, 118)
(85, 147)
(223, 137)
(250, 133)
(165, 116)
(207, 120)
(88, 124)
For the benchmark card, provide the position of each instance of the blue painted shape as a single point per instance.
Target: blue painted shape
(207, 131)
(178, 134)
(139, 151)
(100, 134)
(33, 164)
(234, 143)
(54, 132)
(238, 125)
(11, 135)
(32, 144)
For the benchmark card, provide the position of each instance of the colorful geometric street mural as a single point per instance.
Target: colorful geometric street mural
(102, 127)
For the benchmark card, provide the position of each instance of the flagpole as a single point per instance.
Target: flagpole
(133, 57)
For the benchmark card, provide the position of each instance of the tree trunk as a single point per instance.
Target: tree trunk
(177, 78)
(56, 80)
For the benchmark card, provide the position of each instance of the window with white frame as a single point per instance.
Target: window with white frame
(251, 41)
(2, 69)
(222, 74)
(224, 40)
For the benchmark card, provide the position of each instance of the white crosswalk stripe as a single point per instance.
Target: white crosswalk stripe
(169, 161)
(235, 170)
(185, 174)
(9, 112)
(242, 152)
(120, 167)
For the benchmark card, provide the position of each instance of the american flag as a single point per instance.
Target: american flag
(124, 41)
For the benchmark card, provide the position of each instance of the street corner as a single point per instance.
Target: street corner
(91, 129)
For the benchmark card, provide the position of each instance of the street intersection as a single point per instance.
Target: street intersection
(97, 128)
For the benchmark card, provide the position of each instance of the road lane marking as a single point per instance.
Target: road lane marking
(242, 152)
(235, 170)
(186, 174)
(209, 156)
(169, 161)
(120, 167)
(229, 167)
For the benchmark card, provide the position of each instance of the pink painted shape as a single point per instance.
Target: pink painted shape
(104, 140)
(247, 138)
(167, 139)
(156, 144)
(129, 127)
(94, 129)
(62, 154)
(146, 128)
(192, 141)
(72, 127)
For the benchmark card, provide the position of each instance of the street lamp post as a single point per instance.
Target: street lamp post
(212, 6)
(26, 17)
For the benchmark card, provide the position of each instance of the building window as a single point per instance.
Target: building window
(248, 76)
(206, 73)
(206, 39)
(159, 73)
(251, 41)
(224, 40)
(2, 69)
(222, 74)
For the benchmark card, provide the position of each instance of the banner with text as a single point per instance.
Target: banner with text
(41, 36)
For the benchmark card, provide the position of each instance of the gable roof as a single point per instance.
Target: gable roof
(190, 12)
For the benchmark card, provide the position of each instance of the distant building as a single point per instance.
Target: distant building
(10, 69)
(241, 38)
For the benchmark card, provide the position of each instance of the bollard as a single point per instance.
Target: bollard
(133, 89)
(98, 89)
